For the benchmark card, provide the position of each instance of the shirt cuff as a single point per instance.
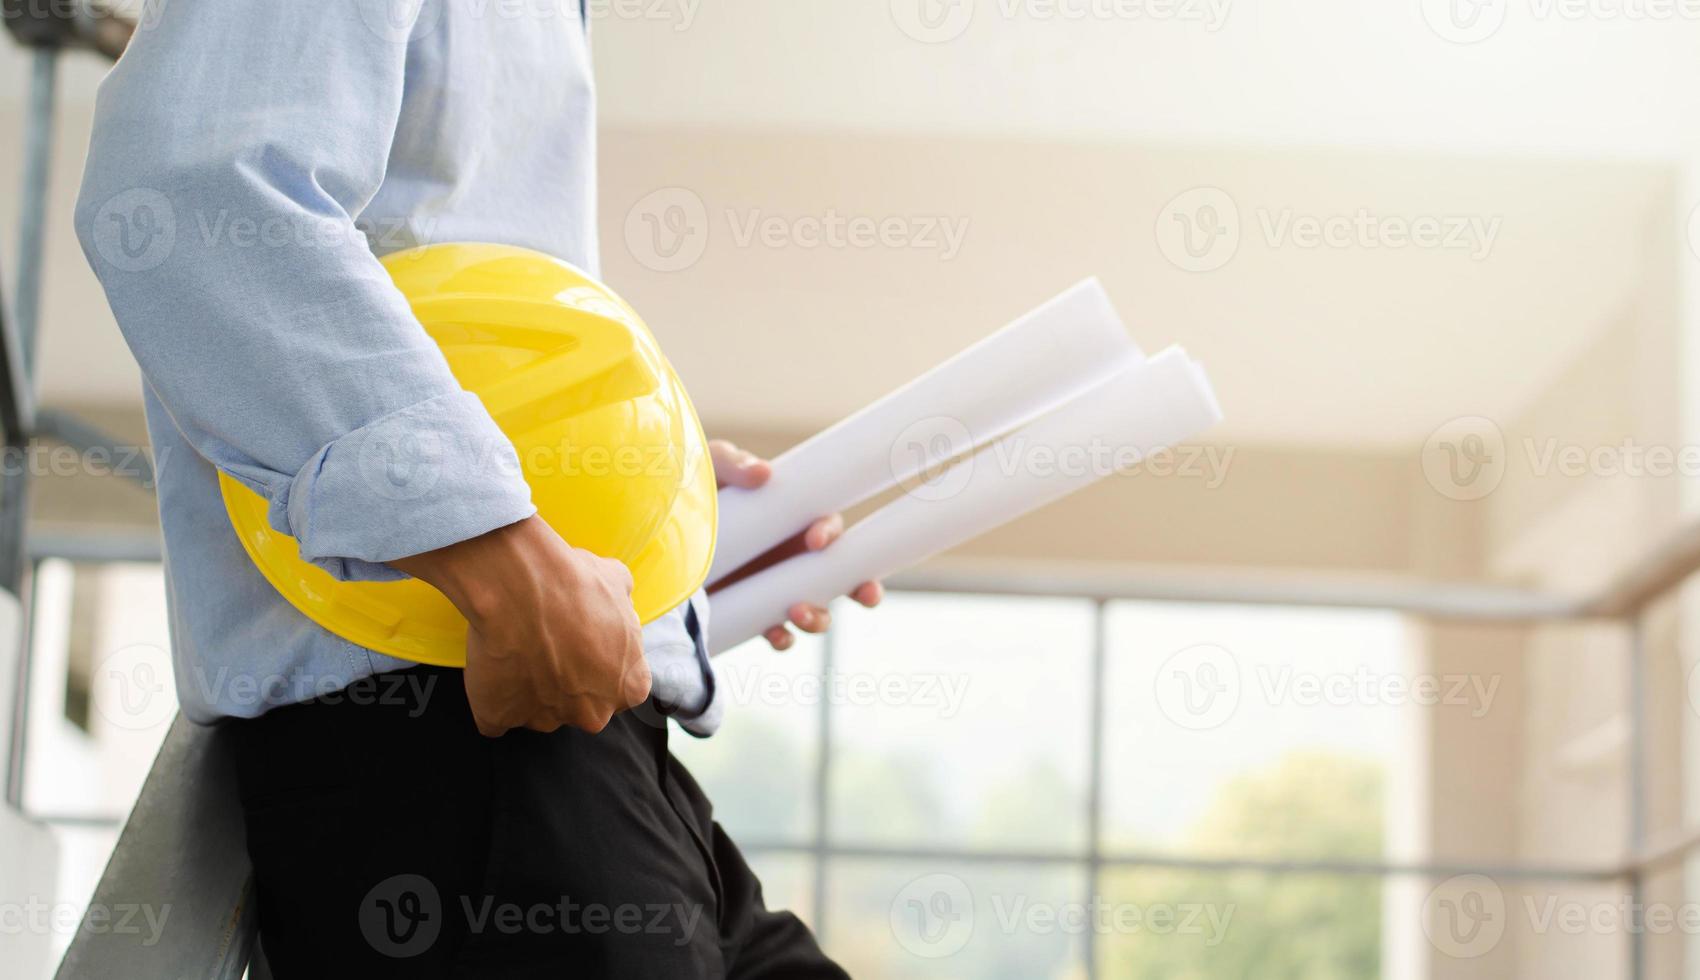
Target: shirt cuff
(433, 474)
(707, 721)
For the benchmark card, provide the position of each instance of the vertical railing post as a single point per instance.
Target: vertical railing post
(1095, 780)
(1637, 803)
(823, 784)
(17, 389)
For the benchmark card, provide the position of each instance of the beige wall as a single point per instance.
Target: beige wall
(1557, 775)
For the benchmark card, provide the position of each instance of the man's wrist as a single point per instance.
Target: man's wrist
(462, 572)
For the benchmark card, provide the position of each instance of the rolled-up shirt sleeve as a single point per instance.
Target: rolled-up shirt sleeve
(235, 144)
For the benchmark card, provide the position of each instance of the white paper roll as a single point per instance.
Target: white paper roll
(1139, 409)
(1048, 356)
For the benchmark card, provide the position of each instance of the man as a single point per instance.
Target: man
(249, 157)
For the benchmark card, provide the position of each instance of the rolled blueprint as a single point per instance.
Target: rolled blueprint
(1039, 361)
(1142, 407)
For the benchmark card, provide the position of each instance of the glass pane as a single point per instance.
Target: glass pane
(83, 853)
(101, 692)
(903, 919)
(787, 882)
(1161, 924)
(758, 770)
(961, 721)
(1240, 731)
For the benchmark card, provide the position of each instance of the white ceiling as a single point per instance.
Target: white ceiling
(1351, 346)
(1375, 73)
(1058, 145)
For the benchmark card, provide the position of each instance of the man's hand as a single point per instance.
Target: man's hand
(554, 639)
(737, 468)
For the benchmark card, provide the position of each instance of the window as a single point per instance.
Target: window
(1007, 786)
(101, 699)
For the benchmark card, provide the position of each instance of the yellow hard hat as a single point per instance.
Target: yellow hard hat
(606, 437)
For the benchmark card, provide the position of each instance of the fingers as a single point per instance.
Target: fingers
(734, 467)
(869, 594)
(594, 721)
(810, 618)
(636, 684)
(824, 532)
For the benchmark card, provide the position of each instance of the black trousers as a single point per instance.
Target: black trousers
(390, 839)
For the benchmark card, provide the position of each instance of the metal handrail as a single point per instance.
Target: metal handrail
(181, 858)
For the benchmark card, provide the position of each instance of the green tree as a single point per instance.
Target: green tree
(1266, 926)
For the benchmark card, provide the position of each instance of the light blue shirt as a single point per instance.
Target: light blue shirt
(250, 160)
